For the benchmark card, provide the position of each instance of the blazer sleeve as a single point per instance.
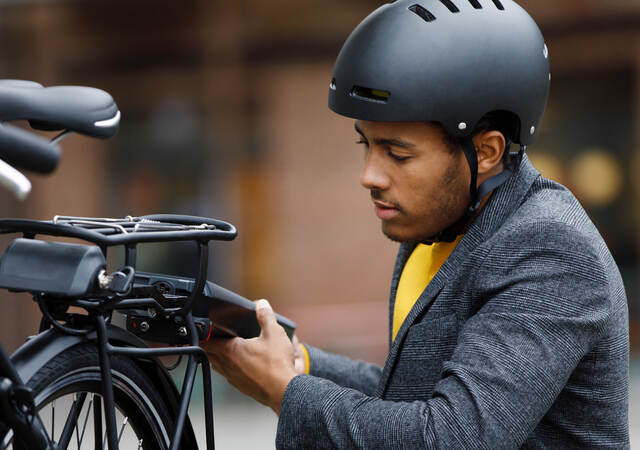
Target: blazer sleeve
(544, 300)
(344, 371)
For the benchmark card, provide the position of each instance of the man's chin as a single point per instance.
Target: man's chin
(395, 236)
(401, 236)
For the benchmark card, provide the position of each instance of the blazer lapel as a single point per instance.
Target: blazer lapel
(403, 255)
(425, 299)
(503, 202)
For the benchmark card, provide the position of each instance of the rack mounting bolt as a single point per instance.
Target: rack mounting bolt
(104, 280)
(144, 326)
(182, 331)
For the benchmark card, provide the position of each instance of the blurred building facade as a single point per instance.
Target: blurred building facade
(224, 114)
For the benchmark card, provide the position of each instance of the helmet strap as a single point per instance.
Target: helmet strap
(469, 150)
(476, 193)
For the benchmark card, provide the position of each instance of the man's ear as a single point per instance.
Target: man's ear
(490, 146)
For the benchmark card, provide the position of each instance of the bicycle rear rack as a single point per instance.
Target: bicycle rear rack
(107, 232)
(129, 232)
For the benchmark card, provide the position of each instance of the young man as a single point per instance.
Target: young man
(509, 324)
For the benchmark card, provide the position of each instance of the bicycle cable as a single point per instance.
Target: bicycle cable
(55, 323)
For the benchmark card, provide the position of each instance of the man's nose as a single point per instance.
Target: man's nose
(373, 175)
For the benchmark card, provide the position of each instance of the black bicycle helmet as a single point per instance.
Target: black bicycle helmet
(447, 61)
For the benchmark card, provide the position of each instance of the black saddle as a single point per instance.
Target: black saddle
(84, 110)
(20, 83)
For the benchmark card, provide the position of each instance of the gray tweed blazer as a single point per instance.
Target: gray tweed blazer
(520, 341)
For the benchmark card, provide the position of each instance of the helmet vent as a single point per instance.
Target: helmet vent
(371, 95)
(499, 5)
(476, 4)
(426, 15)
(450, 6)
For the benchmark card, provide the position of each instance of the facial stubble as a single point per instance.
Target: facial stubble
(450, 199)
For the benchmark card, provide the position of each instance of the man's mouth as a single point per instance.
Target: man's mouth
(385, 210)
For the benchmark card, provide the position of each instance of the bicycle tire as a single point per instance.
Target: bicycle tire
(76, 373)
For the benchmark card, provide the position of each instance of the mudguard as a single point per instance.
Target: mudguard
(39, 349)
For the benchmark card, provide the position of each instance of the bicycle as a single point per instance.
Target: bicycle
(79, 359)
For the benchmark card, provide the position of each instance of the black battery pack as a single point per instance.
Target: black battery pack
(166, 330)
(216, 312)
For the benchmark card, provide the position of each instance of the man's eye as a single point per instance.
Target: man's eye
(397, 157)
(363, 142)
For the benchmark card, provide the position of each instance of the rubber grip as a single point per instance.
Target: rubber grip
(25, 150)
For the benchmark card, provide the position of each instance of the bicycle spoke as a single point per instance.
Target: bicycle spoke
(53, 420)
(77, 432)
(124, 424)
(72, 421)
(86, 419)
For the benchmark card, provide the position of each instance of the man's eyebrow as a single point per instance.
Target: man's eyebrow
(393, 142)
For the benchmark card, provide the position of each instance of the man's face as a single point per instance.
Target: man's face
(419, 187)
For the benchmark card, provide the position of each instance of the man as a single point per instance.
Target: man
(509, 323)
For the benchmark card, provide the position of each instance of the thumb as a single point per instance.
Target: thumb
(266, 317)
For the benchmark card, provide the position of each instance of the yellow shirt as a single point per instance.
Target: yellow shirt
(421, 267)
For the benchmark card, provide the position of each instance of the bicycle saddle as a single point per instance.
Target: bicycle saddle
(84, 110)
(20, 83)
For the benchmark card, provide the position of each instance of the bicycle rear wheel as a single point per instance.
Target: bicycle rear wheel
(67, 394)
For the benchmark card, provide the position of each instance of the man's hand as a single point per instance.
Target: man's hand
(261, 367)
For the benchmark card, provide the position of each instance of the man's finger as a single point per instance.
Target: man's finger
(266, 317)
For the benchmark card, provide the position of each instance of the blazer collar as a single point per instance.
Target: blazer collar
(503, 202)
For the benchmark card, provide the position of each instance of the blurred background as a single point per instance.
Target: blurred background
(224, 114)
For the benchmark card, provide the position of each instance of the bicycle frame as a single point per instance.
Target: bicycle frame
(94, 113)
(100, 310)
(196, 356)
